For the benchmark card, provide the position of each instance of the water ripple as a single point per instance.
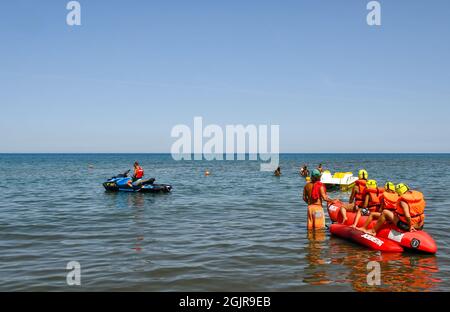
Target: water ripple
(238, 229)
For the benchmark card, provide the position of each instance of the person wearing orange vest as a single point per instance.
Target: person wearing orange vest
(372, 202)
(357, 196)
(409, 211)
(314, 193)
(388, 200)
(138, 172)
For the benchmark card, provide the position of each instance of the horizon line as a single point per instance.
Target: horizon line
(166, 153)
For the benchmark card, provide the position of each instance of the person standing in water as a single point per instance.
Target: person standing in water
(307, 190)
(314, 193)
(277, 172)
(304, 172)
(320, 168)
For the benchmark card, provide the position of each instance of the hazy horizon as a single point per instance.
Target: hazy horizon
(164, 153)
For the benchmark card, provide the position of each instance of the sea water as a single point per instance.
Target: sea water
(237, 229)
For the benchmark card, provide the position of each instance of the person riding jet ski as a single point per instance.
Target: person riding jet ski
(135, 183)
(137, 175)
(138, 171)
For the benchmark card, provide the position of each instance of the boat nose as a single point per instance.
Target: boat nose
(426, 245)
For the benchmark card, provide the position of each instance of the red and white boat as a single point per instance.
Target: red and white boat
(387, 236)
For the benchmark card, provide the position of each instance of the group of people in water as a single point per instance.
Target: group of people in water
(397, 204)
(304, 171)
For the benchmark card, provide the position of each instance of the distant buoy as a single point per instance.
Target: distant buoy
(206, 173)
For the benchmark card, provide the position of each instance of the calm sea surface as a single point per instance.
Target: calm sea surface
(238, 229)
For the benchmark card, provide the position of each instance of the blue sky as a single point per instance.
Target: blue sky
(135, 69)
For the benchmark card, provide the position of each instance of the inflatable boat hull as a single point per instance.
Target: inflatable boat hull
(359, 237)
(419, 241)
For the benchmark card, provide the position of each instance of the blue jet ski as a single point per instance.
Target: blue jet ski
(124, 183)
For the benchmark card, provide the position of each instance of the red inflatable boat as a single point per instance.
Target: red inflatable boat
(376, 243)
(416, 241)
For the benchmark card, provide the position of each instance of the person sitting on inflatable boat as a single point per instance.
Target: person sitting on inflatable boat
(388, 200)
(357, 196)
(409, 211)
(372, 201)
(314, 193)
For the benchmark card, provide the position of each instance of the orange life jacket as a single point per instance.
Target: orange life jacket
(389, 200)
(138, 172)
(374, 198)
(416, 204)
(359, 197)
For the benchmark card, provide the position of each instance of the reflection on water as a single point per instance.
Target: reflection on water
(315, 272)
(136, 202)
(334, 261)
(399, 271)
